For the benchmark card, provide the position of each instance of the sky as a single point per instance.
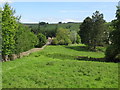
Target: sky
(54, 12)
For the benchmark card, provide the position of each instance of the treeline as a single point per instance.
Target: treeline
(50, 30)
(16, 37)
(62, 33)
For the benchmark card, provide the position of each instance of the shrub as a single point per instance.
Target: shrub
(67, 41)
(111, 53)
(63, 36)
(117, 58)
(54, 41)
(42, 40)
(114, 50)
(61, 42)
(24, 39)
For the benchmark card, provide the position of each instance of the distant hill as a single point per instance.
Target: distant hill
(70, 25)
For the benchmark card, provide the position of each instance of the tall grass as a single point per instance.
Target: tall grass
(55, 67)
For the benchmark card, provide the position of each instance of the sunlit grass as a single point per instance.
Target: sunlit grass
(55, 67)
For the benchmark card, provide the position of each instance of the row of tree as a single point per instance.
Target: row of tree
(50, 30)
(44, 28)
(16, 37)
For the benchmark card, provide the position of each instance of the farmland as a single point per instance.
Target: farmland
(71, 26)
(56, 67)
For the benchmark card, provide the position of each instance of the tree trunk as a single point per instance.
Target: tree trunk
(5, 57)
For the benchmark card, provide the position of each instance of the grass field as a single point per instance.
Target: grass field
(56, 67)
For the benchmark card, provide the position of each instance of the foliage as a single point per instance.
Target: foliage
(0, 29)
(24, 39)
(54, 41)
(74, 37)
(106, 36)
(0, 15)
(16, 38)
(92, 30)
(86, 30)
(115, 36)
(78, 39)
(34, 28)
(63, 36)
(42, 40)
(98, 29)
(9, 26)
(47, 69)
(111, 53)
(50, 30)
(46, 29)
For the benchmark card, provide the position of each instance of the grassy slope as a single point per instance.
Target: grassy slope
(55, 67)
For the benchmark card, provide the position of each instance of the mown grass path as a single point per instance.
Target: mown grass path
(55, 67)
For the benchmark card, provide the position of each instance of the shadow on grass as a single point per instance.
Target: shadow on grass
(78, 48)
(82, 58)
(85, 48)
(79, 58)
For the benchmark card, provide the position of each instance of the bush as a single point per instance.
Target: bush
(63, 36)
(42, 40)
(117, 58)
(24, 39)
(67, 41)
(54, 41)
(111, 53)
(61, 42)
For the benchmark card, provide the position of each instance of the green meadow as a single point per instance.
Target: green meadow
(57, 67)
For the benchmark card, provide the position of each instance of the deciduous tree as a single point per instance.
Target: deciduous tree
(86, 28)
(113, 51)
(9, 26)
(92, 30)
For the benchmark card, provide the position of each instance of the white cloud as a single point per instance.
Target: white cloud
(70, 20)
(49, 20)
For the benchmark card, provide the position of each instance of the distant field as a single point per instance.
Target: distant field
(70, 26)
(56, 67)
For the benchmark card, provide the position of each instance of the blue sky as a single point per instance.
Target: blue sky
(54, 12)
